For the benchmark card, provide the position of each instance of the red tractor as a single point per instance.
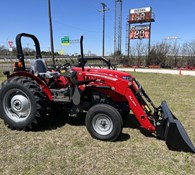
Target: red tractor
(105, 95)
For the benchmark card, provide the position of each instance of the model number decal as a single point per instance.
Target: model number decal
(132, 100)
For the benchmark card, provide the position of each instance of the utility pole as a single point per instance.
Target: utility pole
(103, 31)
(51, 32)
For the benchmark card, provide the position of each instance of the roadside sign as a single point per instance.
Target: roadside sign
(65, 41)
(61, 52)
(10, 43)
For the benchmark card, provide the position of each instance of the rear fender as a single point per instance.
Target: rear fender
(38, 80)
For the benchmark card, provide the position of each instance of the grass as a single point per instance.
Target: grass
(64, 146)
(2, 77)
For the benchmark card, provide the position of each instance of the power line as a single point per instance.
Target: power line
(51, 32)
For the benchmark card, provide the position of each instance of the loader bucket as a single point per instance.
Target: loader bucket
(175, 135)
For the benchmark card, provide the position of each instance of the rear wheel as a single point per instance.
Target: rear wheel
(23, 103)
(104, 122)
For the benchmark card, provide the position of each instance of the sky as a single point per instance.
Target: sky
(82, 17)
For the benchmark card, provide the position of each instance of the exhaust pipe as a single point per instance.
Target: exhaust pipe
(174, 133)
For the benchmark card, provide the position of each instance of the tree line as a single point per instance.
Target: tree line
(165, 54)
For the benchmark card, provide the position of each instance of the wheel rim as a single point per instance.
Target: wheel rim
(17, 105)
(102, 124)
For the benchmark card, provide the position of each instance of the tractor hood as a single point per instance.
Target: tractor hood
(106, 72)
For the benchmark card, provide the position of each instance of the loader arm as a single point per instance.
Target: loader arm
(138, 111)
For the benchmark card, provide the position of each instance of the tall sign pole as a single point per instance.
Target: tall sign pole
(51, 32)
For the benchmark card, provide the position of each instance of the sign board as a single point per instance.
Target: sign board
(65, 41)
(10, 49)
(10, 43)
(140, 32)
(74, 41)
(140, 15)
(61, 52)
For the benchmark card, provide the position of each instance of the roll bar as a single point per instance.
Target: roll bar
(20, 54)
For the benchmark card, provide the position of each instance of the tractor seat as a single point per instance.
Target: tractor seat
(39, 68)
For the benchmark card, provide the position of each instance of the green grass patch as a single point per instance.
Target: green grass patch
(2, 77)
(69, 149)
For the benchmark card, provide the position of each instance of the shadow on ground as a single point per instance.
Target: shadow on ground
(60, 119)
(131, 122)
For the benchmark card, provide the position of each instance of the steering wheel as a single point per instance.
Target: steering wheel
(65, 67)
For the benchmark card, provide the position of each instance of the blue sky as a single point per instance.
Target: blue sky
(74, 18)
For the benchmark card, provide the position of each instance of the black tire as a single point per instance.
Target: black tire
(104, 122)
(23, 103)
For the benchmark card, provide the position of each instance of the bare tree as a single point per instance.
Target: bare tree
(173, 54)
(159, 53)
(188, 53)
(3, 50)
(138, 53)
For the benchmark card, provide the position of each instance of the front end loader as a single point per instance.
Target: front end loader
(105, 95)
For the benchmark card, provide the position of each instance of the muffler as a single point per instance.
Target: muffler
(174, 133)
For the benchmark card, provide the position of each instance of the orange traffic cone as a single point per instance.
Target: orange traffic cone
(179, 72)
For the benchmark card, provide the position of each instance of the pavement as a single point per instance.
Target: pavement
(162, 71)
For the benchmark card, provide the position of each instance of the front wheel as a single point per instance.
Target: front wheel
(104, 122)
